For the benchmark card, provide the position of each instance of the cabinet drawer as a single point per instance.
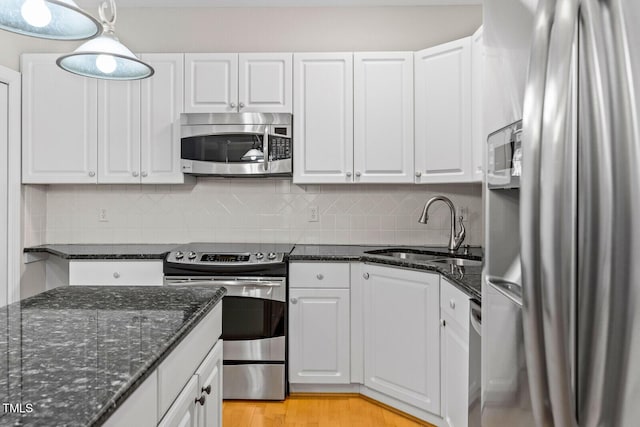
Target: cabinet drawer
(455, 304)
(115, 273)
(319, 275)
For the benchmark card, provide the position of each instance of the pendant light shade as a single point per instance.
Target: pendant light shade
(105, 57)
(48, 19)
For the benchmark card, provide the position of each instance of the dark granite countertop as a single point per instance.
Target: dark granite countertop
(109, 251)
(467, 279)
(76, 353)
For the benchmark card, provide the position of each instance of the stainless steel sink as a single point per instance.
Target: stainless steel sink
(408, 256)
(458, 261)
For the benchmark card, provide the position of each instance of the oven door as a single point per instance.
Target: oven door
(253, 316)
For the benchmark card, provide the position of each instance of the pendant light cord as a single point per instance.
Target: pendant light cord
(110, 23)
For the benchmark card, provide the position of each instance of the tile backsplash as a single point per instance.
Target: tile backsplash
(257, 210)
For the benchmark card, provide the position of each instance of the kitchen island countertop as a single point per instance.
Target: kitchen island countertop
(74, 354)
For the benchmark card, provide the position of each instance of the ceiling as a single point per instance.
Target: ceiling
(275, 3)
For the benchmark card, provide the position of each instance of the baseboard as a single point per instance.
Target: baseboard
(324, 388)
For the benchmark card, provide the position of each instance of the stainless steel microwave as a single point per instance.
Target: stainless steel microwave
(236, 144)
(504, 157)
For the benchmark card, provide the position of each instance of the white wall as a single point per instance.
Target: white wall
(257, 210)
(271, 29)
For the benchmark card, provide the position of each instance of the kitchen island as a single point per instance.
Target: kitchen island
(73, 355)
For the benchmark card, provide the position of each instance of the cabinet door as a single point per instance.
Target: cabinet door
(211, 83)
(478, 137)
(383, 117)
(323, 118)
(265, 82)
(402, 335)
(59, 123)
(455, 373)
(162, 97)
(443, 113)
(119, 132)
(183, 412)
(210, 377)
(319, 336)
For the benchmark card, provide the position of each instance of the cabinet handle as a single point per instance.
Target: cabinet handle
(241, 105)
(232, 105)
(144, 174)
(92, 173)
(366, 276)
(201, 400)
(207, 389)
(443, 322)
(349, 173)
(116, 275)
(452, 304)
(134, 173)
(358, 173)
(319, 276)
(418, 174)
(294, 300)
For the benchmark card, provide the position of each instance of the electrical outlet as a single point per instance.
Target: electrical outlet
(102, 215)
(314, 214)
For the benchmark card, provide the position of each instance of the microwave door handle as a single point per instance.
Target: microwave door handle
(265, 149)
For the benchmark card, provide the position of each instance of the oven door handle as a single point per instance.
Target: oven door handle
(268, 284)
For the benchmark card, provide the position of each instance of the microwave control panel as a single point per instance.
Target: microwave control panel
(279, 148)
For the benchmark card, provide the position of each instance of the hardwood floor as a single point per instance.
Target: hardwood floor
(322, 411)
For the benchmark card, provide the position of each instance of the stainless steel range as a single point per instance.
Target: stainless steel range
(254, 311)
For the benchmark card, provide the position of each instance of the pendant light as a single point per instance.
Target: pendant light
(48, 19)
(105, 57)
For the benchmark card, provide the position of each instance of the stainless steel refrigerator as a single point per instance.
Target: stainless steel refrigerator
(561, 302)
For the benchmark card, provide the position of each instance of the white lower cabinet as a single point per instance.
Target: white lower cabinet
(455, 373)
(402, 335)
(319, 336)
(319, 310)
(183, 412)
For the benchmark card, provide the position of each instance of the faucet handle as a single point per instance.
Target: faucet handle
(462, 233)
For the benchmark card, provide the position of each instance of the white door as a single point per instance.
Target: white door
(478, 137)
(183, 411)
(319, 336)
(118, 132)
(455, 373)
(265, 82)
(402, 335)
(4, 196)
(59, 123)
(210, 378)
(211, 82)
(162, 98)
(323, 118)
(383, 117)
(443, 113)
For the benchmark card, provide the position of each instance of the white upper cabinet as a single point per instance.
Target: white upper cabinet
(59, 121)
(265, 82)
(211, 82)
(231, 82)
(162, 98)
(478, 137)
(402, 335)
(383, 117)
(323, 118)
(443, 113)
(119, 132)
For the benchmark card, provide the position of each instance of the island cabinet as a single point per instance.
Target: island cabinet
(401, 312)
(78, 130)
(319, 337)
(244, 83)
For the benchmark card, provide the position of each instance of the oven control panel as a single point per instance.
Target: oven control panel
(218, 258)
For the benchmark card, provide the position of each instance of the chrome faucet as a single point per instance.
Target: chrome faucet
(455, 239)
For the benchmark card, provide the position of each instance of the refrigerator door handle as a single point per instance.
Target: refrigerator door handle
(529, 213)
(558, 183)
